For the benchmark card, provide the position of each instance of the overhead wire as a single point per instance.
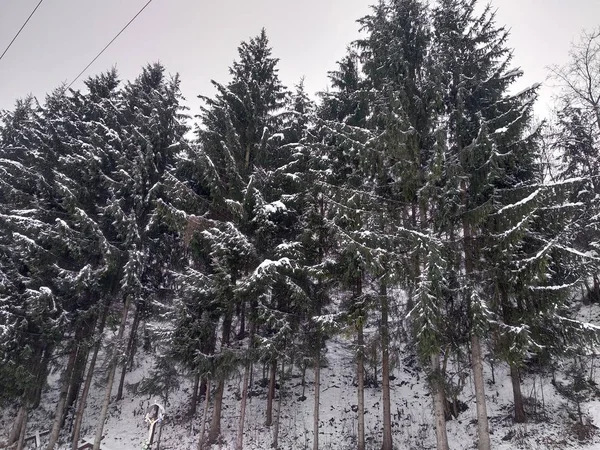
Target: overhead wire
(109, 44)
(20, 29)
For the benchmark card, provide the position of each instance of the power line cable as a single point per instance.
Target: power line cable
(21, 29)
(108, 45)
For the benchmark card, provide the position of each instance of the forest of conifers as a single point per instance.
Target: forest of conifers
(418, 192)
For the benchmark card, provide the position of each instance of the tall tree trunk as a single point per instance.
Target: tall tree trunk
(360, 375)
(483, 430)
(227, 320)
(62, 398)
(111, 375)
(271, 393)
(215, 424)
(520, 416)
(317, 394)
(385, 369)
(360, 364)
(23, 432)
(18, 424)
(239, 441)
(129, 352)
(194, 400)
(88, 378)
(242, 332)
(42, 374)
(275, 443)
(204, 414)
(439, 402)
(76, 379)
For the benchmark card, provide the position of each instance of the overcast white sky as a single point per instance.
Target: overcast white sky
(199, 38)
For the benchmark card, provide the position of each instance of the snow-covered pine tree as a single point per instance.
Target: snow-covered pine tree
(241, 155)
(341, 140)
(395, 56)
(88, 256)
(486, 129)
(36, 304)
(152, 131)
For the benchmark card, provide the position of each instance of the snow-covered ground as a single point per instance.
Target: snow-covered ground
(550, 426)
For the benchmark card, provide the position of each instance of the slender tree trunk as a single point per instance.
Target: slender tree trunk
(242, 332)
(520, 416)
(227, 328)
(42, 373)
(483, 430)
(317, 395)
(88, 379)
(62, 398)
(215, 425)
(204, 414)
(271, 393)
(439, 402)
(239, 442)
(360, 375)
(23, 432)
(194, 400)
(18, 424)
(275, 443)
(385, 371)
(203, 388)
(76, 379)
(129, 352)
(111, 376)
(31, 396)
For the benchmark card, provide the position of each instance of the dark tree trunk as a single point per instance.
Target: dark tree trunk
(83, 352)
(128, 362)
(88, 379)
(194, 400)
(227, 328)
(76, 380)
(203, 388)
(42, 373)
(515, 378)
(275, 443)
(215, 425)
(204, 414)
(271, 393)
(111, 376)
(62, 398)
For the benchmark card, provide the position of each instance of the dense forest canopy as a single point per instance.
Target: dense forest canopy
(418, 192)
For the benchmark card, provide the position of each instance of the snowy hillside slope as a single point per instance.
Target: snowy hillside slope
(552, 416)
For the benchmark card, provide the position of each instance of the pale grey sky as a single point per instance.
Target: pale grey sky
(199, 38)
